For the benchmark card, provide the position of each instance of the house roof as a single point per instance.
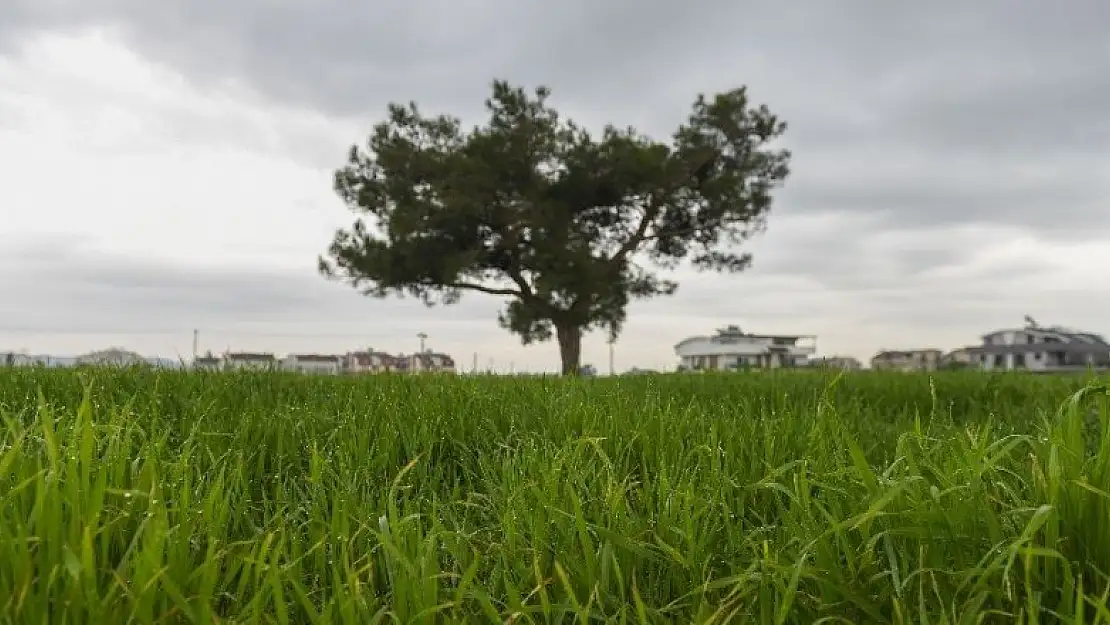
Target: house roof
(1078, 336)
(1029, 348)
(365, 358)
(905, 353)
(1095, 338)
(730, 336)
(427, 358)
(249, 356)
(315, 358)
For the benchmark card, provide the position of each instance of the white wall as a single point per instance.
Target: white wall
(250, 364)
(292, 363)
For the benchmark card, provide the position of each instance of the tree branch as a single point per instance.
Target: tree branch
(470, 286)
(637, 237)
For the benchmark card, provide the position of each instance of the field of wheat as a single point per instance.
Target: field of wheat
(168, 497)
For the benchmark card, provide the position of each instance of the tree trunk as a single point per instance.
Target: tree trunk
(570, 347)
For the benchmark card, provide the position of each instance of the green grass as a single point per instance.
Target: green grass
(144, 497)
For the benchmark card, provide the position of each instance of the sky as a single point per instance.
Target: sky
(166, 166)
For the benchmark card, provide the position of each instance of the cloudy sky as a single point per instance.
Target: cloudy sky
(166, 165)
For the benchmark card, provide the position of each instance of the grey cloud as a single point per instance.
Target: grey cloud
(902, 116)
(947, 312)
(332, 54)
(343, 56)
(56, 286)
(1015, 85)
(947, 193)
(1065, 109)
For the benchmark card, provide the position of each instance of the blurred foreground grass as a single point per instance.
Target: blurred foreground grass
(144, 497)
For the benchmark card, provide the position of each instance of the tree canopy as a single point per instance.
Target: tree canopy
(569, 225)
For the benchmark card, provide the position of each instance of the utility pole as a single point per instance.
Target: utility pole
(611, 357)
(422, 338)
(474, 367)
(196, 343)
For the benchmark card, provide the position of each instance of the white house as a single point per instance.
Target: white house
(312, 363)
(248, 360)
(207, 362)
(1040, 348)
(369, 361)
(731, 348)
(908, 360)
(960, 358)
(17, 359)
(433, 362)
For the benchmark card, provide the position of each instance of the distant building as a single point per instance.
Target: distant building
(432, 362)
(249, 360)
(113, 356)
(907, 360)
(837, 362)
(313, 363)
(45, 360)
(369, 361)
(958, 359)
(207, 363)
(731, 348)
(1037, 348)
(16, 359)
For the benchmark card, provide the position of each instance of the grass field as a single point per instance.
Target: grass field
(169, 497)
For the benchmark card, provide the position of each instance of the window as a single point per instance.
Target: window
(998, 360)
(1037, 355)
(1030, 339)
(1019, 360)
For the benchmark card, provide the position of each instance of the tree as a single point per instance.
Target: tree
(568, 225)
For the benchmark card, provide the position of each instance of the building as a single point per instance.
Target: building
(431, 362)
(247, 360)
(207, 362)
(731, 348)
(907, 360)
(17, 359)
(958, 359)
(1038, 348)
(113, 356)
(320, 364)
(846, 363)
(369, 361)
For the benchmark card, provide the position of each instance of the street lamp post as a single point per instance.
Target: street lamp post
(417, 359)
